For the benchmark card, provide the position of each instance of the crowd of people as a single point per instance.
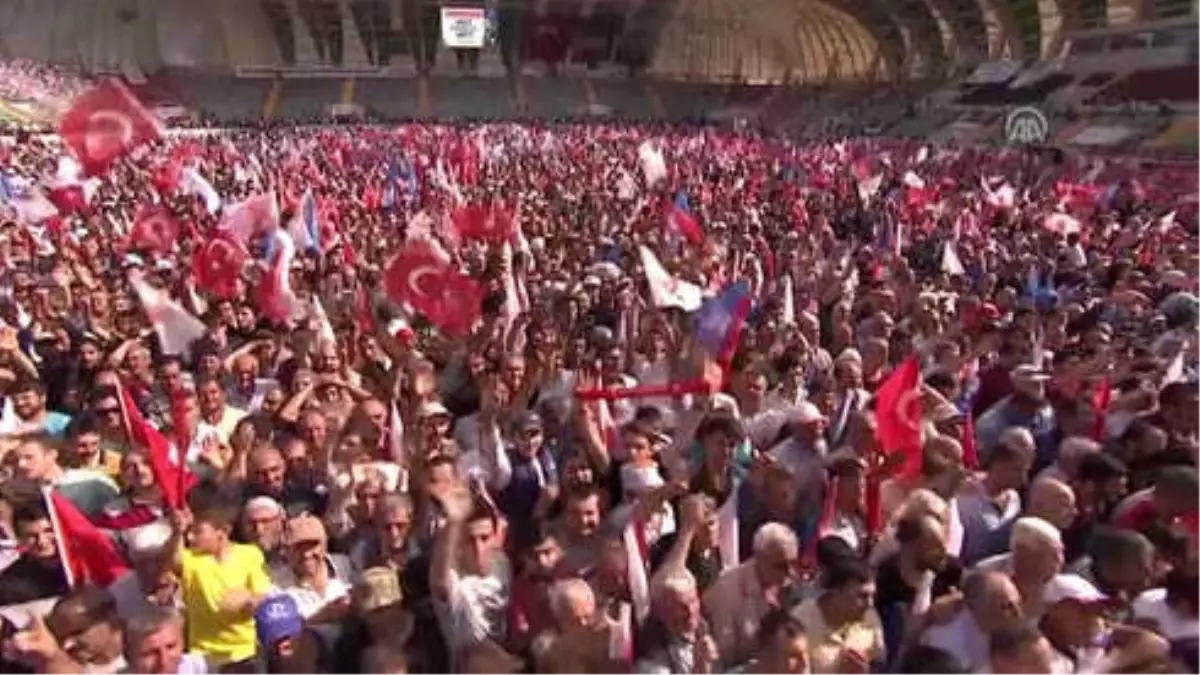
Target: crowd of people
(711, 402)
(44, 87)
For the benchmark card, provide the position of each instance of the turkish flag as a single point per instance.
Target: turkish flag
(423, 278)
(493, 223)
(88, 553)
(104, 124)
(166, 463)
(153, 230)
(898, 414)
(218, 264)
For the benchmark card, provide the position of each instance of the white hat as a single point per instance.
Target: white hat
(638, 480)
(432, 409)
(1071, 587)
(807, 413)
(264, 503)
(147, 540)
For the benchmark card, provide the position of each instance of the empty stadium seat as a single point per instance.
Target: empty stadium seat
(1177, 83)
(389, 97)
(1004, 94)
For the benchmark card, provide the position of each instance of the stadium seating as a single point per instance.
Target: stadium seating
(627, 98)
(224, 97)
(308, 97)
(554, 97)
(389, 97)
(473, 97)
(1176, 83)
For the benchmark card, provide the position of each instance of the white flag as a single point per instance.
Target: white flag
(176, 328)
(192, 183)
(653, 165)
(950, 263)
(666, 290)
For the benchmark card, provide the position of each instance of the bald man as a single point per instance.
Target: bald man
(268, 476)
(990, 603)
(1051, 500)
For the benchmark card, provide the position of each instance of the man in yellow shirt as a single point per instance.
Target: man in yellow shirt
(222, 584)
(844, 633)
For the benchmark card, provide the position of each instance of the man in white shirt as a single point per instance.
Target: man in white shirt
(991, 602)
(320, 583)
(469, 575)
(742, 596)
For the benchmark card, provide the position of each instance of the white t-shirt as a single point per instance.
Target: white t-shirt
(476, 608)
(1152, 605)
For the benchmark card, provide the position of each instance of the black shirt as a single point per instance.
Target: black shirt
(28, 579)
(894, 597)
(706, 568)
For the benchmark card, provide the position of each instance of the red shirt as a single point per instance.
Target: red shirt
(1141, 513)
(125, 514)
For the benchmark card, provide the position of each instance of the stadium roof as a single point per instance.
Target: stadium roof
(884, 39)
(754, 40)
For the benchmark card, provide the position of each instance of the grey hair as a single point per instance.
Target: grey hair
(148, 622)
(565, 590)
(679, 581)
(395, 501)
(1031, 529)
(978, 585)
(1016, 437)
(776, 535)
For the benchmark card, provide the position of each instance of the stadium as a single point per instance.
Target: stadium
(1109, 74)
(599, 336)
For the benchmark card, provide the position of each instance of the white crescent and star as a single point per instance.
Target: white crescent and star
(908, 408)
(219, 255)
(416, 277)
(103, 128)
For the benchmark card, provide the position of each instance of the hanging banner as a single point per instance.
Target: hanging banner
(464, 27)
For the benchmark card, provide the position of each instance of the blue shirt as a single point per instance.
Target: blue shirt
(518, 499)
(56, 424)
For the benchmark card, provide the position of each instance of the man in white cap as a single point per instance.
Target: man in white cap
(803, 454)
(1025, 407)
(151, 582)
(1085, 642)
(318, 581)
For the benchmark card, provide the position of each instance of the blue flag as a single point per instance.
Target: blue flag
(720, 320)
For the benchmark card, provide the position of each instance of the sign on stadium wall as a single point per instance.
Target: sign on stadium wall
(464, 27)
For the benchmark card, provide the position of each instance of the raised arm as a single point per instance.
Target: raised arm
(456, 504)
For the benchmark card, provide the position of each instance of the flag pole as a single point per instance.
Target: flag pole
(59, 542)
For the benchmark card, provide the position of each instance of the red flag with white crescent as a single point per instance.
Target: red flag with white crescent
(898, 414)
(153, 230)
(421, 276)
(218, 264)
(104, 124)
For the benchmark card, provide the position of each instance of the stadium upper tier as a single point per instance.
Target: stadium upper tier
(807, 41)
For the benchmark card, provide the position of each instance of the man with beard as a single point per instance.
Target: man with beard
(921, 563)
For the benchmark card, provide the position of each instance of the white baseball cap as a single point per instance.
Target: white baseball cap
(1072, 587)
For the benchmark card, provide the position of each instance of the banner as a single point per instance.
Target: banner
(464, 27)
